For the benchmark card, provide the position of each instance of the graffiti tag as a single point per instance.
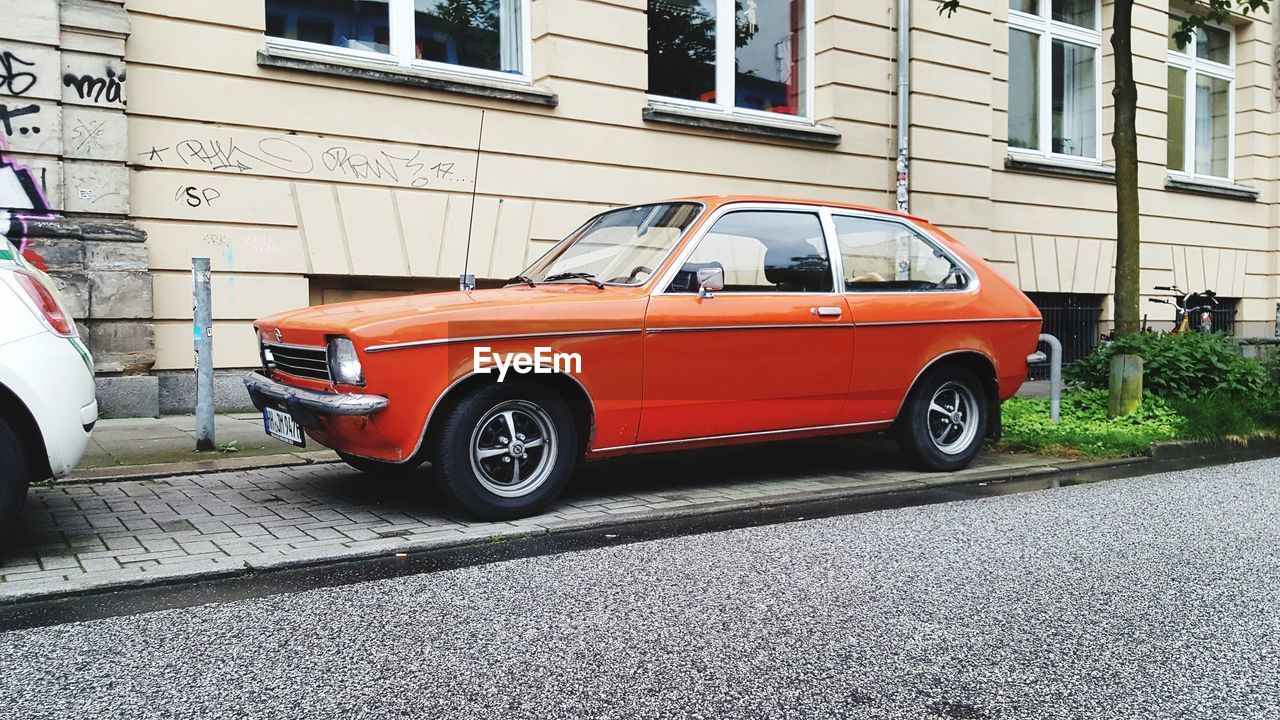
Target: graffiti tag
(13, 80)
(94, 88)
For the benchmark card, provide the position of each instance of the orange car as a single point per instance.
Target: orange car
(679, 324)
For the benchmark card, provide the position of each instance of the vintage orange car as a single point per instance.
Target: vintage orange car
(679, 324)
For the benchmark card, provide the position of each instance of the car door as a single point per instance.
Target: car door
(770, 351)
(910, 300)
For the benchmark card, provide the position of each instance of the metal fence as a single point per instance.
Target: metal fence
(1074, 319)
(1224, 316)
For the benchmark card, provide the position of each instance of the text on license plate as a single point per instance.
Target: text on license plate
(281, 426)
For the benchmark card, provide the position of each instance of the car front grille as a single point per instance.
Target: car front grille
(308, 362)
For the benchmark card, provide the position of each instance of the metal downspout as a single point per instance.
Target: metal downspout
(904, 106)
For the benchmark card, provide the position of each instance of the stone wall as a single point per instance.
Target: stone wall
(63, 93)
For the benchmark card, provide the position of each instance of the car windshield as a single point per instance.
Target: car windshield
(622, 247)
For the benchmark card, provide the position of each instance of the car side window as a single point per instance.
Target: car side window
(881, 255)
(762, 251)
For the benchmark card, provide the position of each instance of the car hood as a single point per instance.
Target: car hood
(511, 310)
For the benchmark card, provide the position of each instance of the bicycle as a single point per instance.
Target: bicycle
(1185, 305)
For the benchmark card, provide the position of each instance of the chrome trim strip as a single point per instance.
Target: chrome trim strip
(941, 322)
(937, 244)
(709, 328)
(325, 403)
(759, 433)
(316, 348)
(485, 338)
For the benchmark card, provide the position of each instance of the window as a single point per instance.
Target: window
(881, 255)
(621, 246)
(762, 251)
(1054, 78)
(1201, 104)
(732, 55)
(488, 37)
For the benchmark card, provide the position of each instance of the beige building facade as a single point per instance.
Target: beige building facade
(322, 150)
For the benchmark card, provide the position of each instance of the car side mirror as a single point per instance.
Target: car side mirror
(710, 280)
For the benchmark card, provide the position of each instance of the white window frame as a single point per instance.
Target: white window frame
(726, 80)
(1187, 60)
(1046, 31)
(401, 53)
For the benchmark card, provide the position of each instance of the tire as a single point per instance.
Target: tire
(378, 468)
(467, 453)
(15, 473)
(942, 425)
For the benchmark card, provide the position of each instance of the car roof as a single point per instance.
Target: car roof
(714, 201)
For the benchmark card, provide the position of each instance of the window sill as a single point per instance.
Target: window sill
(397, 75)
(811, 134)
(1208, 187)
(1044, 166)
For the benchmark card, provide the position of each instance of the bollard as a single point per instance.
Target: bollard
(202, 312)
(1055, 375)
(1125, 385)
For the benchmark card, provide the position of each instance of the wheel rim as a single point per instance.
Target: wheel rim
(953, 418)
(513, 448)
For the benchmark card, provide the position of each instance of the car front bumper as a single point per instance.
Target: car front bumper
(306, 406)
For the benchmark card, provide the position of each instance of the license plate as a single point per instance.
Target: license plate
(281, 426)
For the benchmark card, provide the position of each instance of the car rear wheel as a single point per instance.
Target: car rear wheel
(943, 423)
(14, 472)
(505, 450)
(379, 468)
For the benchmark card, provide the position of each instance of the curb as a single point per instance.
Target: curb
(121, 473)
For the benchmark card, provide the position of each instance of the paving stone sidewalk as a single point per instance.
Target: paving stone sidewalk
(76, 537)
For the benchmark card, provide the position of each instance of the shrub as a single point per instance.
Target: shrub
(1085, 427)
(1180, 367)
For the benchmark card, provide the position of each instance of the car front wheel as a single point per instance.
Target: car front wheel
(14, 472)
(943, 423)
(506, 450)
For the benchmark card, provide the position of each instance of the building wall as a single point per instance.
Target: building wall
(306, 186)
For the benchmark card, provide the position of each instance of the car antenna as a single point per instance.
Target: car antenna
(467, 282)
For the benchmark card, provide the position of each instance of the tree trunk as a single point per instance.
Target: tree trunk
(1125, 141)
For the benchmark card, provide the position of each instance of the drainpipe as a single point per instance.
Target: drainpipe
(904, 105)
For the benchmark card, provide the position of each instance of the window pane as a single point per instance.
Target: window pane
(1213, 44)
(351, 24)
(623, 246)
(1076, 12)
(1212, 109)
(1026, 6)
(1075, 120)
(881, 255)
(1024, 107)
(479, 34)
(1177, 117)
(1174, 24)
(762, 251)
(682, 49)
(770, 56)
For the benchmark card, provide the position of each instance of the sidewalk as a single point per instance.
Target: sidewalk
(154, 447)
(77, 537)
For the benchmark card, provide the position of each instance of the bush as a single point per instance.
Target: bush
(1180, 368)
(1085, 427)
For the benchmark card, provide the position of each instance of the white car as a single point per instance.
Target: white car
(47, 400)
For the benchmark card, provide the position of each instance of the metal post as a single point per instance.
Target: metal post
(903, 186)
(1055, 375)
(202, 311)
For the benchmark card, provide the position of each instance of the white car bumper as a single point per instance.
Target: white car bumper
(51, 376)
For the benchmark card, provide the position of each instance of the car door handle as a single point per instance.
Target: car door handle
(825, 311)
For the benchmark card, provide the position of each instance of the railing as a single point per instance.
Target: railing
(1076, 324)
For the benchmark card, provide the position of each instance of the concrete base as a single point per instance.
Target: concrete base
(128, 396)
(178, 392)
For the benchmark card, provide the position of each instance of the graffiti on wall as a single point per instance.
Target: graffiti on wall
(243, 152)
(105, 88)
(21, 200)
(17, 78)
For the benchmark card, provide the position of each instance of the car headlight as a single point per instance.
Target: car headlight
(344, 363)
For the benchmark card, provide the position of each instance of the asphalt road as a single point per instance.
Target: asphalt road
(1153, 597)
